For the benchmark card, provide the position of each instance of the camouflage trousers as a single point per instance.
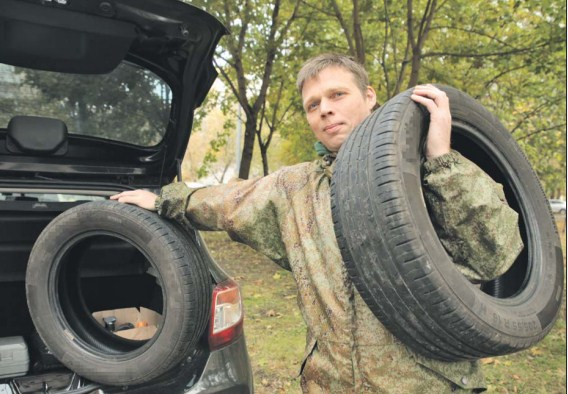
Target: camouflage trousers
(341, 368)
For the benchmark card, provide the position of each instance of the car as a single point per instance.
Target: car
(558, 206)
(98, 97)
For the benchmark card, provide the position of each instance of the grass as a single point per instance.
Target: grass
(275, 331)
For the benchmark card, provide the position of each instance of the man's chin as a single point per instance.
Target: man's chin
(333, 148)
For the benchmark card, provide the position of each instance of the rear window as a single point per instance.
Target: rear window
(130, 104)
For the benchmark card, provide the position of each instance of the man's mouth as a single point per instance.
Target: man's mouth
(331, 127)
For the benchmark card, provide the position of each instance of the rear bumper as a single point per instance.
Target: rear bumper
(227, 371)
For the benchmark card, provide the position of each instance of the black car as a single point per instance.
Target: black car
(98, 97)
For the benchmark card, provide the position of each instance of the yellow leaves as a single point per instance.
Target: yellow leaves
(273, 313)
(495, 361)
(276, 276)
(535, 351)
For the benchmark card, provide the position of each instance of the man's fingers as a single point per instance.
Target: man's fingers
(142, 198)
(425, 101)
(432, 92)
(439, 132)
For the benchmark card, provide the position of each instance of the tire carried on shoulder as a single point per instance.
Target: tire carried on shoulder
(64, 320)
(396, 260)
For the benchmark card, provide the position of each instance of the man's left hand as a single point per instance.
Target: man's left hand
(440, 130)
(143, 198)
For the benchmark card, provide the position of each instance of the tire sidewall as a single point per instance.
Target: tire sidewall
(41, 287)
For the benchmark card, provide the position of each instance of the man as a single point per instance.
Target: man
(287, 217)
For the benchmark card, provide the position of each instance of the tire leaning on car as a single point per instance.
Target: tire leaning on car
(63, 320)
(396, 260)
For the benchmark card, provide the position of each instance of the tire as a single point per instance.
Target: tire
(64, 321)
(402, 270)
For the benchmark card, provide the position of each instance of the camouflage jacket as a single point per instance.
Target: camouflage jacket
(287, 217)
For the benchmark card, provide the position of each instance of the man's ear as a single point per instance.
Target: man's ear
(371, 97)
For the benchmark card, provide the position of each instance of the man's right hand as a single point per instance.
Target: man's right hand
(440, 129)
(142, 198)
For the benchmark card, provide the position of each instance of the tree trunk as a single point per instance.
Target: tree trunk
(358, 34)
(415, 68)
(248, 146)
(263, 153)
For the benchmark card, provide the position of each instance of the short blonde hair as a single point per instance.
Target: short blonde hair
(312, 67)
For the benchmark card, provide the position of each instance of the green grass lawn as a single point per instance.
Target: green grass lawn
(275, 331)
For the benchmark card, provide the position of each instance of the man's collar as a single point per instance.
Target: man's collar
(321, 149)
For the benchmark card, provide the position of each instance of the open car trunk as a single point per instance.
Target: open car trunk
(113, 274)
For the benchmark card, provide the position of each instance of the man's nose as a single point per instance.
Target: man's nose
(325, 108)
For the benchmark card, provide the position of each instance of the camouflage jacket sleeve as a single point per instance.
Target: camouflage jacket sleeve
(247, 210)
(474, 223)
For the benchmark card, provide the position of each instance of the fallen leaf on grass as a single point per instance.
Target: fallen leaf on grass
(273, 313)
(535, 351)
(276, 276)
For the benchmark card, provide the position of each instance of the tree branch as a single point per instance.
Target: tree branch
(527, 115)
(473, 32)
(488, 54)
(344, 26)
(561, 125)
(243, 101)
(385, 44)
(496, 77)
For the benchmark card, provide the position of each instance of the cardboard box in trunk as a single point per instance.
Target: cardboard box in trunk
(145, 321)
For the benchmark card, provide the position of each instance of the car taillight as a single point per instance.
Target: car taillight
(226, 316)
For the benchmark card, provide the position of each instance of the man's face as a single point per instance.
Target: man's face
(335, 105)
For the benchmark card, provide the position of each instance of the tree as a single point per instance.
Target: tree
(510, 55)
(247, 57)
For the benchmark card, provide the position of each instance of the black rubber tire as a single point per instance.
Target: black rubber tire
(396, 260)
(65, 323)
